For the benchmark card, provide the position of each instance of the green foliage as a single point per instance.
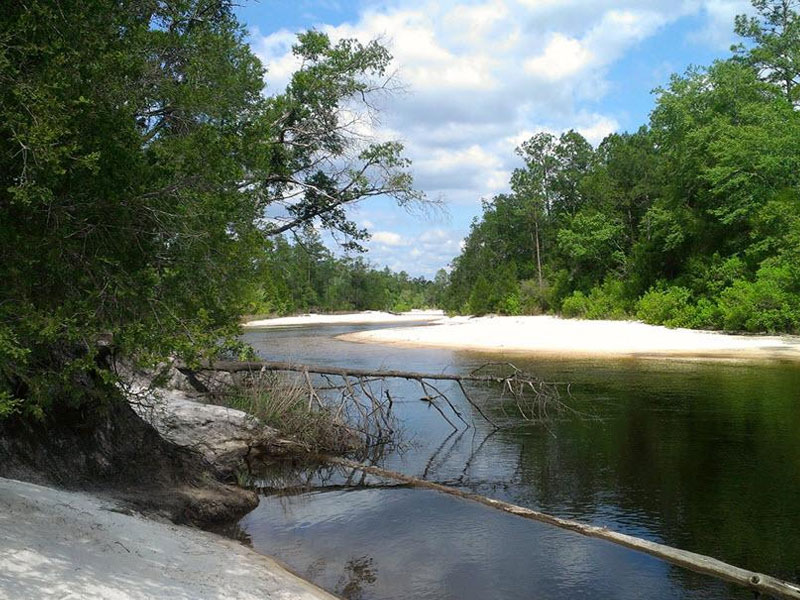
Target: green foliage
(576, 306)
(592, 244)
(138, 159)
(505, 298)
(775, 34)
(606, 301)
(305, 276)
(479, 298)
(510, 305)
(692, 221)
(533, 298)
(770, 303)
(670, 306)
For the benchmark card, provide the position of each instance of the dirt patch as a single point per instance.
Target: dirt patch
(114, 453)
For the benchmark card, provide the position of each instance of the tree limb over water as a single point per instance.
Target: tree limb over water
(534, 400)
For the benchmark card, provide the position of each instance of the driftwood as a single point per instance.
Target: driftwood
(699, 563)
(533, 398)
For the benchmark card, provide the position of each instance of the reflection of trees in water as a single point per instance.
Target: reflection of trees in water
(707, 462)
(358, 573)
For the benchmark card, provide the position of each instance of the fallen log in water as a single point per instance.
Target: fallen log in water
(533, 398)
(699, 563)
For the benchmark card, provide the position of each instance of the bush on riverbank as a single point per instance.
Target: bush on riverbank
(300, 416)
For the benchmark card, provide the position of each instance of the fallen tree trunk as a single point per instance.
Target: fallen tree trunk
(235, 366)
(692, 561)
(533, 397)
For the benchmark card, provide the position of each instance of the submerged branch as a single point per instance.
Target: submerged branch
(692, 561)
(533, 398)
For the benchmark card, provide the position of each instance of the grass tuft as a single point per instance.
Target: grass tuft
(284, 402)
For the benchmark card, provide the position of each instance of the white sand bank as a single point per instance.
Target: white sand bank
(366, 317)
(566, 337)
(66, 545)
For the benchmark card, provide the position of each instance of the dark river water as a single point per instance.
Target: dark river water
(704, 456)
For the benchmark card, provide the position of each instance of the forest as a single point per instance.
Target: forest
(153, 193)
(691, 221)
(305, 275)
(147, 179)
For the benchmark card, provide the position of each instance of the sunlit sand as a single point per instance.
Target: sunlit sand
(567, 337)
(366, 317)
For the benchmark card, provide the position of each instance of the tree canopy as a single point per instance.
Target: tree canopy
(143, 171)
(690, 221)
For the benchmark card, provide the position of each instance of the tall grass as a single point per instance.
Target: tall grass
(285, 402)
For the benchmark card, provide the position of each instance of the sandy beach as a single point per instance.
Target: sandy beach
(553, 336)
(366, 318)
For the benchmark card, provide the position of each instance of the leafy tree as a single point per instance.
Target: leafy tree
(480, 297)
(690, 221)
(592, 245)
(775, 35)
(142, 172)
(535, 185)
(505, 297)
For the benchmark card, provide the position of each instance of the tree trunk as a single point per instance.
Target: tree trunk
(538, 255)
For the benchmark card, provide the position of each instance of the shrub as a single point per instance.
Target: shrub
(510, 305)
(533, 298)
(764, 305)
(707, 315)
(479, 299)
(669, 306)
(606, 301)
(575, 306)
(282, 402)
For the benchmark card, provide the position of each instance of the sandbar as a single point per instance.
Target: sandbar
(547, 335)
(358, 318)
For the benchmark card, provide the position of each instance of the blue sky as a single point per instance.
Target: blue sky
(480, 77)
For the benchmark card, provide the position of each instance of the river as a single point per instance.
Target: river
(704, 456)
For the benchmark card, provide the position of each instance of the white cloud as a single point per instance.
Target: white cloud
(473, 24)
(483, 76)
(423, 253)
(596, 127)
(423, 61)
(275, 51)
(389, 238)
(562, 58)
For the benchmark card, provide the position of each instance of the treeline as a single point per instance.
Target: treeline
(692, 221)
(304, 275)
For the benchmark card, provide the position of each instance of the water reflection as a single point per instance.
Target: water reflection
(701, 456)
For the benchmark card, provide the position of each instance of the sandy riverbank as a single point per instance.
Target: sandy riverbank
(360, 318)
(553, 336)
(65, 545)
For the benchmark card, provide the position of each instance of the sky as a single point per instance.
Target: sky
(480, 77)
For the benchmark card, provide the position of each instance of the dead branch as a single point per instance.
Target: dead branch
(532, 397)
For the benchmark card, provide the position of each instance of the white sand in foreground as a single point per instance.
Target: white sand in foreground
(366, 317)
(566, 337)
(66, 545)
